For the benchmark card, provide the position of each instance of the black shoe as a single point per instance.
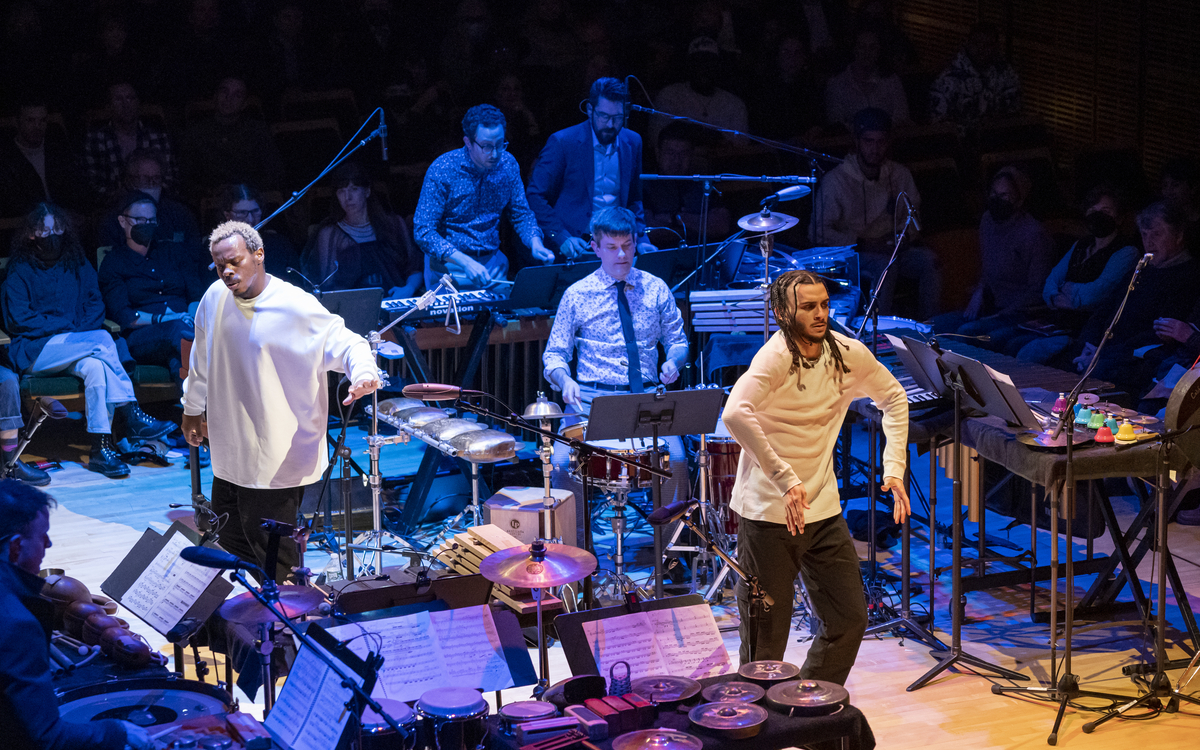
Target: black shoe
(23, 472)
(105, 460)
(141, 426)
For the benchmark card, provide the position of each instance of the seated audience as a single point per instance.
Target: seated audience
(151, 286)
(699, 97)
(34, 168)
(361, 244)
(979, 84)
(108, 146)
(1165, 291)
(676, 203)
(244, 203)
(1181, 189)
(1090, 276)
(866, 82)
(145, 172)
(1016, 254)
(786, 101)
(855, 205)
(55, 314)
(229, 147)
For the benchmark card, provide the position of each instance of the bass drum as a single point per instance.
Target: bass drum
(146, 702)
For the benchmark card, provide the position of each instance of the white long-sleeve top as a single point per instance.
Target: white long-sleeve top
(258, 368)
(788, 434)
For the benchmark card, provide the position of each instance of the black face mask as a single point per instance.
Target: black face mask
(1000, 209)
(48, 249)
(143, 234)
(1100, 224)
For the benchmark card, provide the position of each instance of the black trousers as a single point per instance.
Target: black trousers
(242, 533)
(825, 558)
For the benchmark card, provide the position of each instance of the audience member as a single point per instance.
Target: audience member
(463, 52)
(229, 147)
(1016, 254)
(826, 23)
(457, 223)
(866, 82)
(676, 204)
(585, 168)
(856, 205)
(151, 286)
(54, 312)
(244, 203)
(420, 111)
(145, 172)
(293, 62)
(978, 84)
(1092, 274)
(550, 36)
(786, 102)
(369, 58)
(1165, 291)
(699, 97)
(10, 429)
(524, 136)
(35, 168)
(109, 57)
(361, 244)
(1180, 188)
(197, 58)
(107, 146)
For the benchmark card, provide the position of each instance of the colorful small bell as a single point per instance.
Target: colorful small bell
(1083, 416)
(1097, 420)
(1126, 433)
(1077, 407)
(1104, 435)
(1060, 405)
(1112, 423)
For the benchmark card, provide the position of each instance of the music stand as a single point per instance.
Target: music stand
(654, 414)
(359, 308)
(541, 287)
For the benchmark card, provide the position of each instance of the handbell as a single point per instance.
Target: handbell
(1060, 404)
(1097, 420)
(1112, 423)
(1126, 433)
(1083, 416)
(1104, 434)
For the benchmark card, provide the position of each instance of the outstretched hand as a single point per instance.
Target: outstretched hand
(901, 509)
(362, 388)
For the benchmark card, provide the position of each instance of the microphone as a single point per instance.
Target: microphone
(912, 216)
(672, 513)
(207, 557)
(383, 134)
(432, 392)
(789, 193)
(185, 629)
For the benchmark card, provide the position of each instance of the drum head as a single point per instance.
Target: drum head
(145, 702)
(373, 722)
(527, 711)
(451, 703)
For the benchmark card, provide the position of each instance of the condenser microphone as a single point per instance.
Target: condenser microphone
(790, 193)
(383, 134)
(207, 557)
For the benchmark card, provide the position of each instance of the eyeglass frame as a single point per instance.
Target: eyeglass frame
(243, 215)
(491, 148)
(139, 220)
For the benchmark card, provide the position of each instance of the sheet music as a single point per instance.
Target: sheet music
(628, 638)
(690, 644)
(168, 587)
(310, 713)
(412, 657)
(471, 647)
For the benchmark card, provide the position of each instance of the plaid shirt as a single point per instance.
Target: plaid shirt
(103, 162)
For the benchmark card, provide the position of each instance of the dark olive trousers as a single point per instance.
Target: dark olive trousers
(241, 533)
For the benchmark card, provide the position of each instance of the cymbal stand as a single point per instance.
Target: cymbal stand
(373, 541)
(546, 453)
(709, 518)
(622, 583)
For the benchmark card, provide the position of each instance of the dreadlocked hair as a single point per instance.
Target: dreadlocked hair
(783, 299)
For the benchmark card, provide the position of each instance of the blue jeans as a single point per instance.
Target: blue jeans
(92, 357)
(10, 400)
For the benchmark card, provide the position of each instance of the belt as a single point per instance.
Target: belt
(648, 385)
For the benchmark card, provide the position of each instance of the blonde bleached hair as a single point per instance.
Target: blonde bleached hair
(241, 229)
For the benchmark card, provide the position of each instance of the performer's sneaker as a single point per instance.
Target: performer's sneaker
(105, 460)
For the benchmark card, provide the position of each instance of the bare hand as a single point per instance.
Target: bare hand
(360, 389)
(571, 394)
(137, 737)
(669, 373)
(475, 271)
(1084, 357)
(541, 252)
(194, 429)
(1062, 302)
(797, 503)
(1170, 329)
(573, 247)
(975, 306)
(901, 509)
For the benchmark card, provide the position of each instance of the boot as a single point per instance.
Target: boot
(104, 458)
(23, 472)
(141, 426)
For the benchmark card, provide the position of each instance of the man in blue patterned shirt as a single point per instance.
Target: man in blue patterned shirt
(457, 223)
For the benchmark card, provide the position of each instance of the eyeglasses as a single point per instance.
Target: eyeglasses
(498, 147)
(139, 220)
(43, 232)
(243, 215)
(603, 117)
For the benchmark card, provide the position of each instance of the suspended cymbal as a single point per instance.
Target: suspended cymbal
(293, 602)
(543, 408)
(760, 223)
(516, 567)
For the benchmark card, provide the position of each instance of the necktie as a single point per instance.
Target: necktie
(631, 345)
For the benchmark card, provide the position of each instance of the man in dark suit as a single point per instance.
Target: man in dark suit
(34, 168)
(594, 165)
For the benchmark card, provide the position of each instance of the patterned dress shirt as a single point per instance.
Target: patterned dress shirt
(460, 206)
(965, 95)
(588, 320)
(106, 167)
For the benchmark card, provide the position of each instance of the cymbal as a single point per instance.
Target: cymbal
(767, 222)
(543, 408)
(515, 566)
(294, 601)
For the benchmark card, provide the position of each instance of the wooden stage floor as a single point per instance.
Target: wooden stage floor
(98, 520)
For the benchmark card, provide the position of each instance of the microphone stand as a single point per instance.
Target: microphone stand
(1066, 688)
(47, 407)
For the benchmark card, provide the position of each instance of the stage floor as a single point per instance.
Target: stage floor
(98, 520)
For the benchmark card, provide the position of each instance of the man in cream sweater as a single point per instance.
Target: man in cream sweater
(258, 369)
(786, 412)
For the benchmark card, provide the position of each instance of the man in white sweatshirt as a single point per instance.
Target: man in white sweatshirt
(786, 412)
(258, 369)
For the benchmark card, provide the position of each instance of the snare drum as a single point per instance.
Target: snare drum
(607, 473)
(147, 702)
(723, 455)
(451, 719)
(520, 712)
(377, 734)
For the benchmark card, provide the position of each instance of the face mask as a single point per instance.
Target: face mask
(48, 249)
(143, 234)
(1100, 224)
(1000, 209)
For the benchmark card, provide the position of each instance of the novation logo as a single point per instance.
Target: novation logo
(514, 524)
